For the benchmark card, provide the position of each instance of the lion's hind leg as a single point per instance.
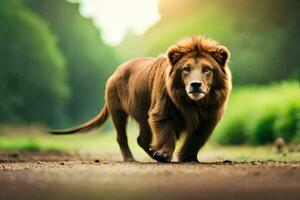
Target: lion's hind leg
(119, 119)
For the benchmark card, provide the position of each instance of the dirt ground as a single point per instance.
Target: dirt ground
(64, 176)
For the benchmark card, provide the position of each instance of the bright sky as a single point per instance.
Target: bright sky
(116, 17)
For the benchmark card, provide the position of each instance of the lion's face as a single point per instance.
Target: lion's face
(197, 76)
(199, 64)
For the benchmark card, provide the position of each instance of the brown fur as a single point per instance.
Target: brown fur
(153, 92)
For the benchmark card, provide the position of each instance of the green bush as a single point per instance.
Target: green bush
(235, 133)
(287, 124)
(260, 128)
(258, 115)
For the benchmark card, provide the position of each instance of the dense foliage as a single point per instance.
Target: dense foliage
(33, 75)
(258, 115)
(88, 60)
(53, 63)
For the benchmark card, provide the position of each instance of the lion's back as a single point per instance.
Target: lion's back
(131, 85)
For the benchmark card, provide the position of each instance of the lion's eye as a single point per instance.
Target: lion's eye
(186, 69)
(206, 70)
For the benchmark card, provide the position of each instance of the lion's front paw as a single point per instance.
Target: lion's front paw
(162, 156)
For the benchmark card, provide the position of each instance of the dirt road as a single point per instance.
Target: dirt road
(64, 177)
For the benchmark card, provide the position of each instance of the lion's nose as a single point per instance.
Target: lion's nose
(196, 86)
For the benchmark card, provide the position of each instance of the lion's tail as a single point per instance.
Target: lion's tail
(94, 123)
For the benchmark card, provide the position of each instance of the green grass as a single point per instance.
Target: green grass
(105, 143)
(41, 141)
(44, 142)
(241, 153)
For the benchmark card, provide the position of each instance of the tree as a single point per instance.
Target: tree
(89, 60)
(33, 76)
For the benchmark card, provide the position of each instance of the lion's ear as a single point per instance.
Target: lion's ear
(174, 55)
(221, 54)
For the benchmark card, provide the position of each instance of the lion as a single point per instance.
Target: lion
(183, 90)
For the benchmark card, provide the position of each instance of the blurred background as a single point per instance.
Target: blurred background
(56, 56)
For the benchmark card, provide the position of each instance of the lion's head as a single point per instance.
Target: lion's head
(197, 66)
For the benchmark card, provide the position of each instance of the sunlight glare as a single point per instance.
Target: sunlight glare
(116, 17)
